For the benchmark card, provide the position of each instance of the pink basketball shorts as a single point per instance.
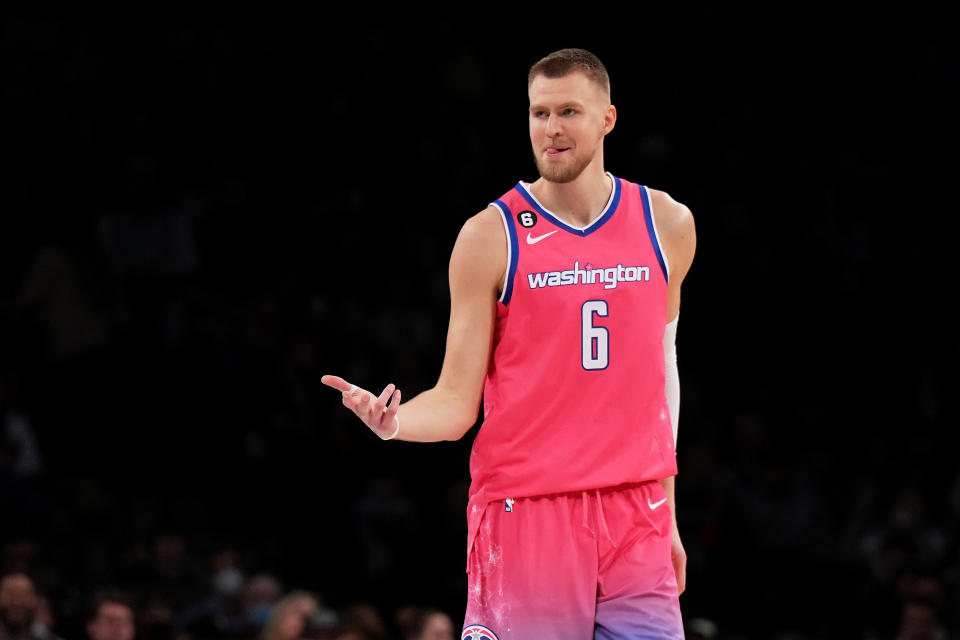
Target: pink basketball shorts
(574, 566)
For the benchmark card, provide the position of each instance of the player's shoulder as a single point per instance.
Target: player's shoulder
(676, 230)
(484, 226)
(667, 210)
(482, 234)
(480, 253)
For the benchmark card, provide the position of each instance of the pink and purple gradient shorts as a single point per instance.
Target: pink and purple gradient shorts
(574, 566)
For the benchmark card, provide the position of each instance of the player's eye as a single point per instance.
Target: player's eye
(569, 111)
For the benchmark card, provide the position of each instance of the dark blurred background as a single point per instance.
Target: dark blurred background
(203, 213)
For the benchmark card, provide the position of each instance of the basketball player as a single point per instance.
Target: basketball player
(565, 295)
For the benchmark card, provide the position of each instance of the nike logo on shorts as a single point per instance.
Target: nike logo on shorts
(654, 505)
(532, 240)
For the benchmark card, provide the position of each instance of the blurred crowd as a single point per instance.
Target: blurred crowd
(193, 236)
(234, 607)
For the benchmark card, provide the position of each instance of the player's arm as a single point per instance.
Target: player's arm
(450, 408)
(678, 238)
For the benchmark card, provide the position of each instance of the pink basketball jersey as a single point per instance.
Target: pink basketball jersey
(574, 395)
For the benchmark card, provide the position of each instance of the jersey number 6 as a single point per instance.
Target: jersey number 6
(595, 341)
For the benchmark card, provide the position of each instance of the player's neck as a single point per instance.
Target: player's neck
(580, 202)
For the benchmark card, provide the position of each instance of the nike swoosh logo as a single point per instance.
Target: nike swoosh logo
(654, 505)
(531, 240)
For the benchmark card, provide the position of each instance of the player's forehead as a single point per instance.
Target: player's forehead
(575, 86)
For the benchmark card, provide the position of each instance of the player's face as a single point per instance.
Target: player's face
(569, 117)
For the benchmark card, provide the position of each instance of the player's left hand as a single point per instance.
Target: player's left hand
(679, 557)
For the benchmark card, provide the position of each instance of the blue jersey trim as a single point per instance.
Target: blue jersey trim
(648, 216)
(596, 224)
(514, 247)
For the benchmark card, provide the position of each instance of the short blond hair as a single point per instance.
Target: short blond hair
(566, 61)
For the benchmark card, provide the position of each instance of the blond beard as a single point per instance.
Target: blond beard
(563, 174)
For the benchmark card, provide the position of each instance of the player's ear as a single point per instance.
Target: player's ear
(609, 119)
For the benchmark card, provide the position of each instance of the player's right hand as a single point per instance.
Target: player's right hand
(375, 412)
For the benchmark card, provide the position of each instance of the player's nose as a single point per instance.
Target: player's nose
(554, 126)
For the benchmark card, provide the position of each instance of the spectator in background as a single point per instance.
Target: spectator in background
(417, 623)
(262, 592)
(111, 616)
(701, 629)
(21, 464)
(437, 626)
(167, 569)
(289, 616)
(222, 615)
(362, 621)
(919, 620)
(19, 606)
(156, 617)
(17, 435)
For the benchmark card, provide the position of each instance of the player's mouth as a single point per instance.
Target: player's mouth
(555, 152)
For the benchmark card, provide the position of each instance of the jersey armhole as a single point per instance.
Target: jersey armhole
(506, 216)
(652, 230)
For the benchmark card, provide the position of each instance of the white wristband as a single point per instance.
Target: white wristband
(671, 375)
(395, 431)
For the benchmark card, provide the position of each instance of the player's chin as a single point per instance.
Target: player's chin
(558, 175)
